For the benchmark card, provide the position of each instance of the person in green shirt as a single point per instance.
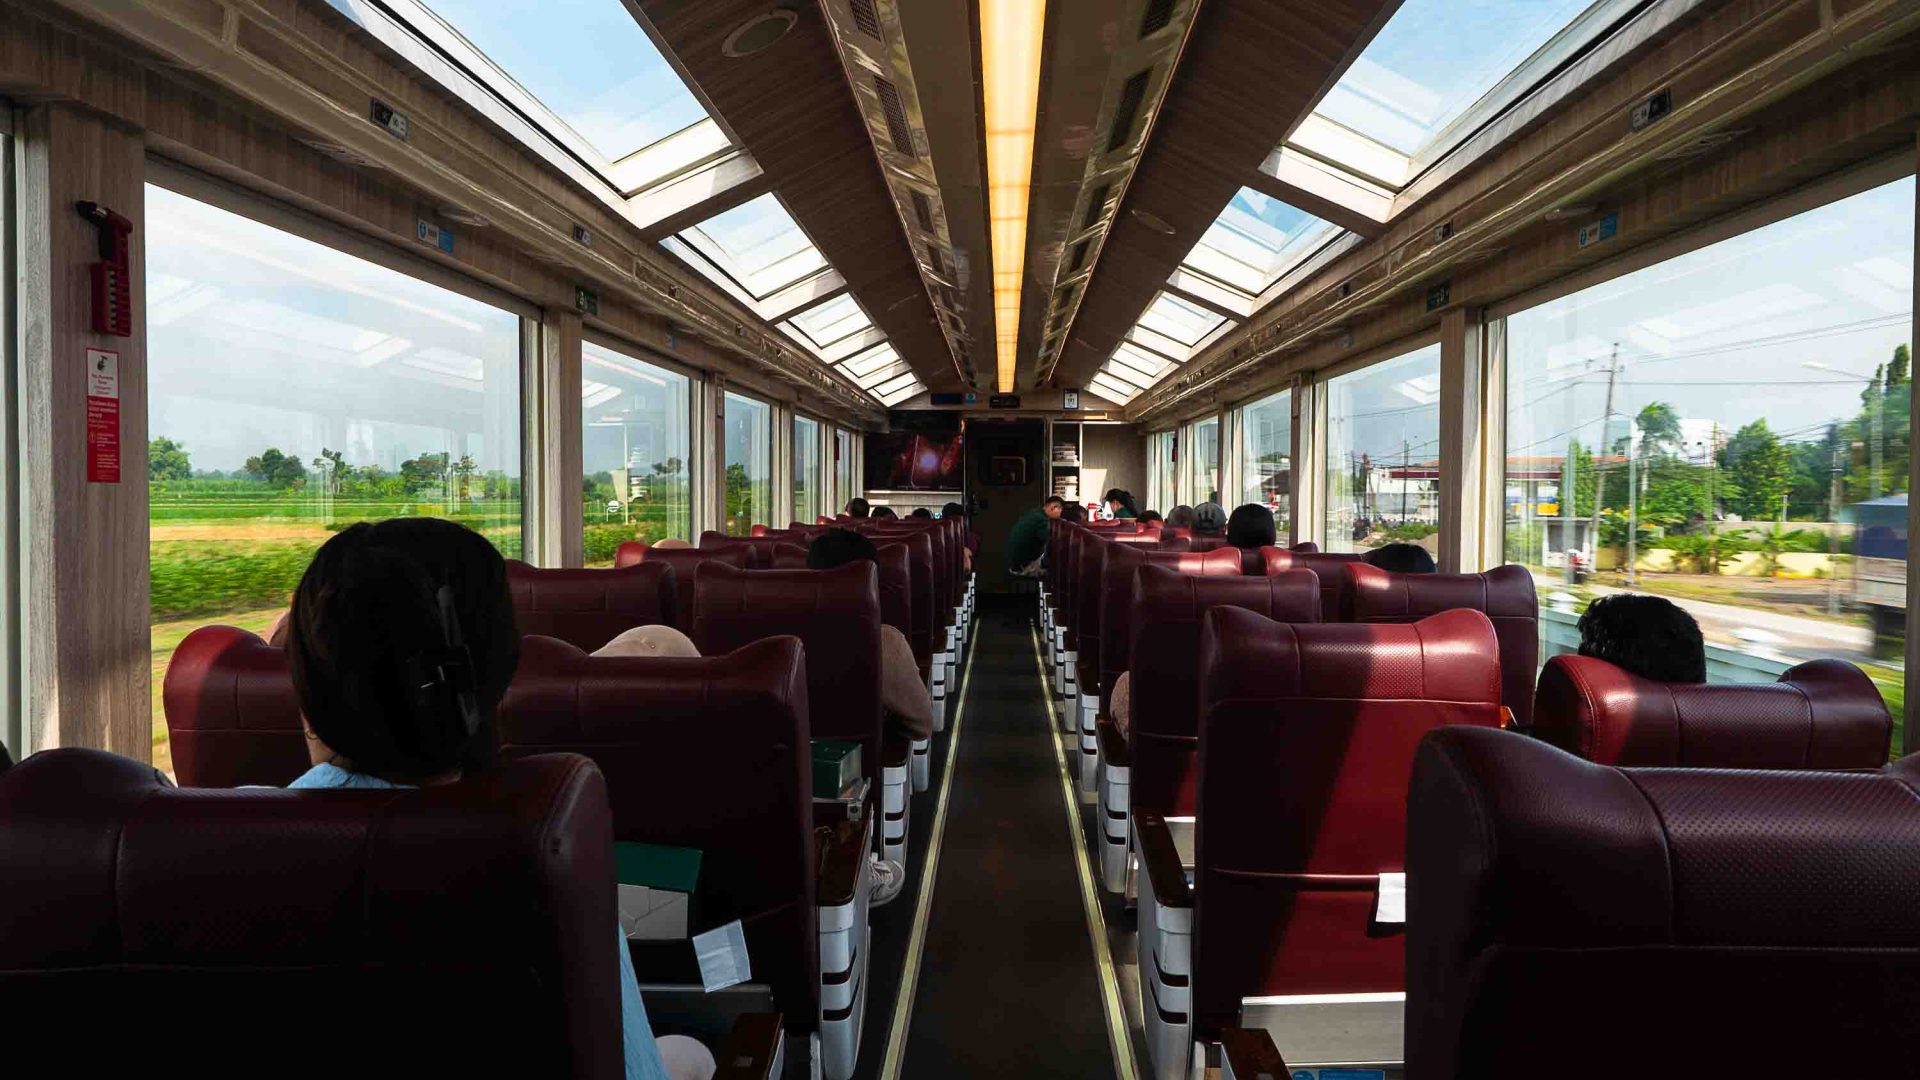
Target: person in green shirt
(1027, 542)
(1120, 504)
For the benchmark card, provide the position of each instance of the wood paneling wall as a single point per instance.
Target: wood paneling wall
(86, 666)
(1113, 456)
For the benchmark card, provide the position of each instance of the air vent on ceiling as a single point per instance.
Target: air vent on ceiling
(897, 128)
(1159, 14)
(865, 17)
(1125, 113)
(1096, 206)
(1079, 256)
(923, 212)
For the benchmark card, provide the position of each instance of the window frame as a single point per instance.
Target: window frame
(696, 383)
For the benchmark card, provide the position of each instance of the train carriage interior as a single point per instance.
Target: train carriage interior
(1163, 539)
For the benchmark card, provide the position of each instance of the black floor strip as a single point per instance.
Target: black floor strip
(1007, 986)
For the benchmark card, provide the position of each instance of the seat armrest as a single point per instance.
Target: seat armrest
(1250, 1055)
(752, 1049)
(1162, 861)
(841, 849)
(1113, 745)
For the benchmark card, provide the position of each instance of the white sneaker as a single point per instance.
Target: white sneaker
(889, 877)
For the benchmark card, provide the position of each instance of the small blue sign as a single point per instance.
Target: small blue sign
(1604, 229)
(436, 235)
(973, 398)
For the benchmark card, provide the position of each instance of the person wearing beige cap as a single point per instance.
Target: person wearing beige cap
(650, 641)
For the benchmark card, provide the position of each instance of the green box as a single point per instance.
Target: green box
(657, 866)
(836, 767)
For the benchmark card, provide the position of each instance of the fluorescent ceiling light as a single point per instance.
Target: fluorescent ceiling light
(1011, 33)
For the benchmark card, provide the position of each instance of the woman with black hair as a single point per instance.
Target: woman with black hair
(401, 643)
(1120, 504)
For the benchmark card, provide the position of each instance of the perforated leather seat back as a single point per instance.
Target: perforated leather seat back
(1504, 595)
(709, 753)
(1116, 599)
(232, 716)
(465, 928)
(588, 608)
(1824, 714)
(1707, 922)
(1336, 592)
(685, 562)
(836, 616)
(759, 547)
(1307, 736)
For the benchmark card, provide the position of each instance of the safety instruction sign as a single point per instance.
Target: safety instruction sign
(103, 417)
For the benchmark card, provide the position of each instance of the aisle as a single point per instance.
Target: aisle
(1007, 985)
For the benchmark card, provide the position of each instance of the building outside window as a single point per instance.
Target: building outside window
(1383, 454)
(636, 452)
(1729, 429)
(297, 390)
(749, 458)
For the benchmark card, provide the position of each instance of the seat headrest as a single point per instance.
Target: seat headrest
(1447, 657)
(1336, 600)
(232, 715)
(1823, 714)
(1504, 594)
(681, 559)
(1161, 593)
(270, 908)
(1274, 560)
(591, 607)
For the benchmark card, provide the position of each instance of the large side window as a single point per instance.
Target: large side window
(1202, 470)
(1160, 466)
(807, 477)
(636, 450)
(1266, 457)
(843, 485)
(1729, 429)
(1383, 454)
(749, 464)
(297, 390)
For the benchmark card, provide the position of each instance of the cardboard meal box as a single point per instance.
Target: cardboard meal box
(657, 886)
(836, 767)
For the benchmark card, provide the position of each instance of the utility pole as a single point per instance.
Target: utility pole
(1833, 534)
(1633, 509)
(1879, 398)
(1569, 487)
(1599, 470)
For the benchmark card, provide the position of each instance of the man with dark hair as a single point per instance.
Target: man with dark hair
(1147, 517)
(1402, 559)
(1647, 635)
(972, 549)
(1251, 527)
(1073, 512)
(1027, 540)
(857, 507)
(922, 513)
(1180, 517)
(1209, 519)
(903, 697)
(885, 513)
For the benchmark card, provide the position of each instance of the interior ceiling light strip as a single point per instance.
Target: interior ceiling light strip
(1011, 36)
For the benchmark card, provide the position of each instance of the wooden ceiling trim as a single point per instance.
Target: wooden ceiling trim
(791, 109)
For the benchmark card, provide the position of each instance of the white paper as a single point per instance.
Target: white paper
(722, 953)
(653, 914)
(1392, 906)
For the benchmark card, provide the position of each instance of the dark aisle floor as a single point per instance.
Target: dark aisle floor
(1008, 986)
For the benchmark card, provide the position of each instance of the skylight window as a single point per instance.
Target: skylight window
(825, 324)
(1404, 103)
(1179, 320)
(896, 388)
(899, 394)
(1113, 389)
(1255, 240)
(756, 247)
(587, 61)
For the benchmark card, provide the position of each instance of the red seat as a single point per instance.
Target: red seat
(1116, 599)
(1175, 543)
(588, 608)
(896, 582)
(1824, 714)
(759, 546)
(1307, 734)
(1504, 595)
(711, 754)
(1336, 592)
(465, 929)
(1167, 607)
(685, 561)
(1674, 922)
(1208, 543)
(232, 716)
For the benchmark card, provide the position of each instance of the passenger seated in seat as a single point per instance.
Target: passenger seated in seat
(922, 513)
(886, 512)
(672, 543)
(401, 643)
(1027, 540)
(1649, 636)
(903, 697)
(649, 641)
(1251, 528)
(1180, 517)
(1120, 504)
(1147, 517)
(1402, 559)
(858, 508)
(972, 548)
(1209, 519)
(1073, 512)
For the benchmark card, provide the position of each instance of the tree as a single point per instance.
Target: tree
(1760, 471)
(669, 467)
(167, 460)
(463, 471)
(277, 470)
(1660, 434)
(331, 465)
(423, 474)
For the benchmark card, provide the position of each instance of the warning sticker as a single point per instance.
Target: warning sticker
(103, 417)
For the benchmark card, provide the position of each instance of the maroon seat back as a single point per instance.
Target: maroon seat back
(1823, 714)
(834, 613)
(759, 546)
(1504, 595)
(1307, 736)
(1166, 626)
(1305, 547)
(1116, 599)
(709, 753)
(1208, 543)
(232, 717)
(1722, 923)
(937, 586)
(588, 608)
(485, 906)
(920, 569)
(896, 581)
(685, 561)
(1336, 593)
(1176, 543)
(1089, 564)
